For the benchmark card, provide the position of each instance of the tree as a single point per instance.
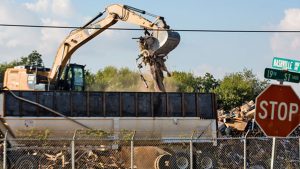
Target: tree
(237, 88)
(113, 79)
(33, 59)
(126, 80)
(207, 83)
(185, 82)
(101, 79)
(257, 84)
(188, 82)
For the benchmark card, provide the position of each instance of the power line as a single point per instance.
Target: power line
(141, 29)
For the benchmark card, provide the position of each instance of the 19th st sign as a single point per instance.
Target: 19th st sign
(277, 110)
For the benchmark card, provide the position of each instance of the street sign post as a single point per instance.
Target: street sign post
(286, 64)
(282, 75)
(277, 110)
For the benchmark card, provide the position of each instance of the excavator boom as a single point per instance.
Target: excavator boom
(157, 43)
(166, 40)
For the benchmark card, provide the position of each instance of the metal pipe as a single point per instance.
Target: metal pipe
(73, 150)
(4, 151)
(273, 153)
(245, 153)
(131, 154)
(191, 150)
(245, 150)
(191, 154)
(132, 151)
(73, 153)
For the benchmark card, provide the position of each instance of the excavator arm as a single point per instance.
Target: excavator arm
(115, 13)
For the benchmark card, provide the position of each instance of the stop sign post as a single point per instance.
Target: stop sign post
(277, 110)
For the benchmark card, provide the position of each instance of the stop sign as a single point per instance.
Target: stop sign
(277, 110)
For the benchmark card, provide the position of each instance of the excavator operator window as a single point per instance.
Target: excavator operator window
(78, 77)
(72, 78)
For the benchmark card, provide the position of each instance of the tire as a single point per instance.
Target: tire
(180, 161)
(26, 161)
(163, 162)
(205, 161)
(259, 165)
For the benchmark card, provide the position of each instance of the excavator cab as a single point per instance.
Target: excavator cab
(72, 78)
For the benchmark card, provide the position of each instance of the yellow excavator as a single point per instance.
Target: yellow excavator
(157, 42)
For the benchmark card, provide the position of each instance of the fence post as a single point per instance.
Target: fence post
(191, 154)
(73, 150)
(245, 150)
(273, 153)
(131, 154)
(5, 151)
(191, 150)
(245, 153)
(131, 151)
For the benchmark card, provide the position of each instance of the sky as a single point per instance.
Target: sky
(198, 52)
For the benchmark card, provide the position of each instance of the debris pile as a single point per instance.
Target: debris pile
(238, 121)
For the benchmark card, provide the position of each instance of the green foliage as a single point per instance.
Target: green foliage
(207, 83)
(34, 134)
(236, 88)
(185, 82)
(33, 59)
(188, 82)
(112, 79)
(258, 85)
(93, 133)
(126, 135)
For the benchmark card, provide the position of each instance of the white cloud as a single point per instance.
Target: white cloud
(13, 40)
(288, 44)
(57, 8)
(51, 38)
(291, 19)
(62, 8)
(39, 6)
(16, 42)
(218, 72)
(53, 34)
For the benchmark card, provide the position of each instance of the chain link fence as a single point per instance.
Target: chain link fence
(126, 150)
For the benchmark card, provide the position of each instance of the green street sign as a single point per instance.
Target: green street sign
(282, 75)
(286, 64)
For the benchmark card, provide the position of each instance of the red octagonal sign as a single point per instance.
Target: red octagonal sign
(277, 110)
